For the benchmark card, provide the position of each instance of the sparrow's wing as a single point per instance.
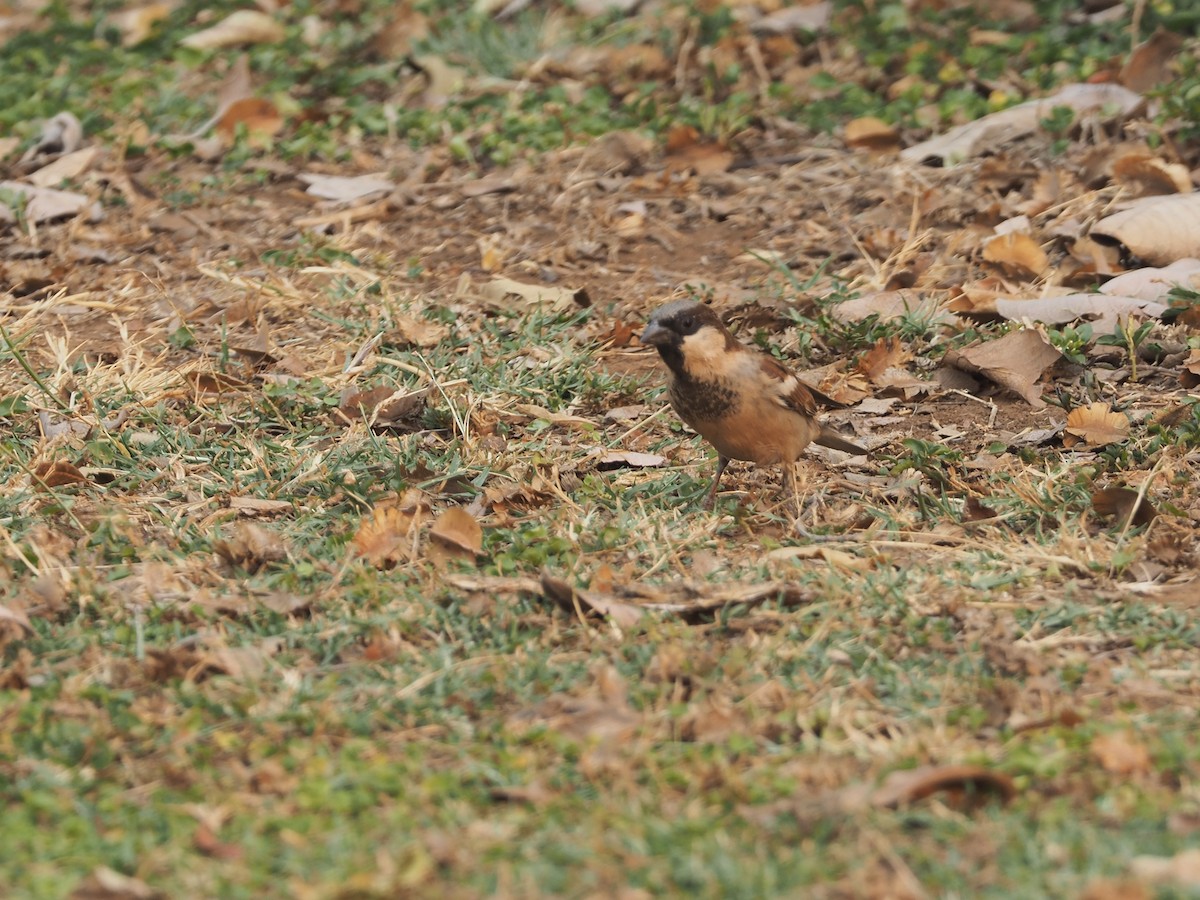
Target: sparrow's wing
(790, 392)
(786, 389)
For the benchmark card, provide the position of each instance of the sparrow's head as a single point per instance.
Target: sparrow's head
(689, 336)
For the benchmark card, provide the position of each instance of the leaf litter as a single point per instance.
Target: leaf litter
(497, 463)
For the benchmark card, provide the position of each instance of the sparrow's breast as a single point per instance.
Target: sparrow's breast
(754, 428)
(702, 401)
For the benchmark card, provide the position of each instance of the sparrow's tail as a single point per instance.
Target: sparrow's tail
(830, 438)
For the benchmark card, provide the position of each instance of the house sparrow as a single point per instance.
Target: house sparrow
(743, 402)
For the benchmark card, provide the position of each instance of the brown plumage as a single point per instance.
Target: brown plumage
(743, 402)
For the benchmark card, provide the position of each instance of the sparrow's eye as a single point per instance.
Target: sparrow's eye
(687, 324)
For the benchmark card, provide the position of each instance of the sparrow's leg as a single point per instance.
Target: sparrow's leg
(789, 472)
(798, 524)
(722, 462)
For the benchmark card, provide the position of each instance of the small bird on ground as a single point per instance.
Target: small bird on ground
(742, 401)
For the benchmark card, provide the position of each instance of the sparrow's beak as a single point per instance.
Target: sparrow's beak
(656, 335)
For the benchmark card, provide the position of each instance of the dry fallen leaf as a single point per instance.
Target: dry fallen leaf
(238, 84)
(442, 80)
(636, 61)
(61, 133)
(105, 884)
(498, 290)
(285, 603)
(839, 559)
(455, 535)
(1189, 372)
(389, 535)
(978, 298)
(136, 23)
(535, 793)
(207, 843)
(48, 204)
(250, 547)
(171, 664)
(626, 604)
(215, 383)
(1115, 889)
(985, 134)
(621, 335)
(14, 624)
(871, 133)
(1104, 310)
(248, 662)
(493, 584)
(56, 473)
(403, 27)
(629, 459)
(713, 719)
(260, 119)
(1048, 190)
(1151, 175)
(1159, 230)
(255, 348)
(65, 168)
(355, 404)
(886, 354)
(892, 305)
(1016, 253)
(1155, 283)
(1095, 425)
(1121, 753)
(579, 601)
(1149, 65)
(246, 26)
(617, 153)
(974, 510)
(600, 718)
(795, 17)
(627, 414)
(845, 388)
(630, 226)
(415, 332)
(1124, 505)
(252, 507)
(686, 152)
(344, 188)
(535, 412)
(1015, 361)
(1173, 548)
(962, 786)
(1182, 869)
(383, 407)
